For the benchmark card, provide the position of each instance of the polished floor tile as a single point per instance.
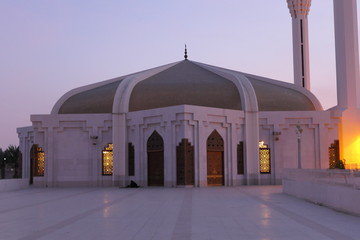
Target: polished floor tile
(255, 212)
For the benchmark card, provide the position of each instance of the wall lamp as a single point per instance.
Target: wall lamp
(276, 135)
(94, 138)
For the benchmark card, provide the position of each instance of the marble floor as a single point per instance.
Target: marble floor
(255, 212)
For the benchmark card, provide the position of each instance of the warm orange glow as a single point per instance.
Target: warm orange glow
(351, 154)
(350, 138)
(40, 162)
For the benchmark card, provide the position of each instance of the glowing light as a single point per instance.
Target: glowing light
(350, 138)
(351, 155)
(264, 158)
(107, 160)
(265, 215)
(40, 162)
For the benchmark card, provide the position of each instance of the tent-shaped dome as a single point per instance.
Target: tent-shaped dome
(187, 83)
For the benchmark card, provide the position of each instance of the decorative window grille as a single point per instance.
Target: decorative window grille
(155, 143)
(131, 159)
(240, 158)
(155, 161)
(265, 159)
(334, 155)
(215, 142)
(39, 162)
(107, 160)
(185, 163)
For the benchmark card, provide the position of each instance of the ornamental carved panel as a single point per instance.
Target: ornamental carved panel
(334, 154)
(155, 152)
(131, 159)
(185, 163)
(37, 161)
(107, 160)
(265, 160)
(215, 168)
(215, 142)
(240, 158)
(155, 142)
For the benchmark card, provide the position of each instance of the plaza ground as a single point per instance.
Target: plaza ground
(250, 212)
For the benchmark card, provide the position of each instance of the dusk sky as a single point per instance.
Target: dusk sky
(51, 47)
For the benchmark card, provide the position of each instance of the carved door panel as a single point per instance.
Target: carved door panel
(185, 163)
(215, 168)
(180, 166)
(156, 168)
(189, 167)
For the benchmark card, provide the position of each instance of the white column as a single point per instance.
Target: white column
(252, 148)
(169, 155)
(51, 167)
(347, 53)
(119, 149)
(347, 74)
(201, 157)
(299, 10)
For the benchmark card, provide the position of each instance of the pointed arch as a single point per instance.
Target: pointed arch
(215, 142)
(215, 159)
(155, 153)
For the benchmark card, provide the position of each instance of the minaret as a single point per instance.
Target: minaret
(299, 10)
(347, 77)
(347, 53)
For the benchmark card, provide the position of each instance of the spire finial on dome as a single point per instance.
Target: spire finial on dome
(185, 56)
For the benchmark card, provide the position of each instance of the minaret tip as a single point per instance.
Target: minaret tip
(185, 56)
(299, 8)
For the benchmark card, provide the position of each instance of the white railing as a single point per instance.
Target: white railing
(350, 178)
(13, 184)
(335, 188)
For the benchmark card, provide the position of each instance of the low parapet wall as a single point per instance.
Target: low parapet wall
(337, 189)
(13, 184)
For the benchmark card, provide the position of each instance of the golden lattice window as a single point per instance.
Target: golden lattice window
(39, 162)
(107, 160)
(265, 160)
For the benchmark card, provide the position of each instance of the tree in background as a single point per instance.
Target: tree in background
(10, 158)
(2, 164)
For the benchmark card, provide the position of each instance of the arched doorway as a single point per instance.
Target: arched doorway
(155, 153)
(215, 159)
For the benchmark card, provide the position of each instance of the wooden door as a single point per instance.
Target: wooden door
(156, 168)
(215, 168)
(155, 152)
(215, 159)
(185, 163)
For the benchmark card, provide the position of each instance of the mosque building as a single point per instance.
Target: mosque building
(185, 124)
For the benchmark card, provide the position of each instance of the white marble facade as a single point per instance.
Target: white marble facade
(190, 100)
(73, 144)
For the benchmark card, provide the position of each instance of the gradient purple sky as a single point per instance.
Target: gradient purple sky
(51, 47)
